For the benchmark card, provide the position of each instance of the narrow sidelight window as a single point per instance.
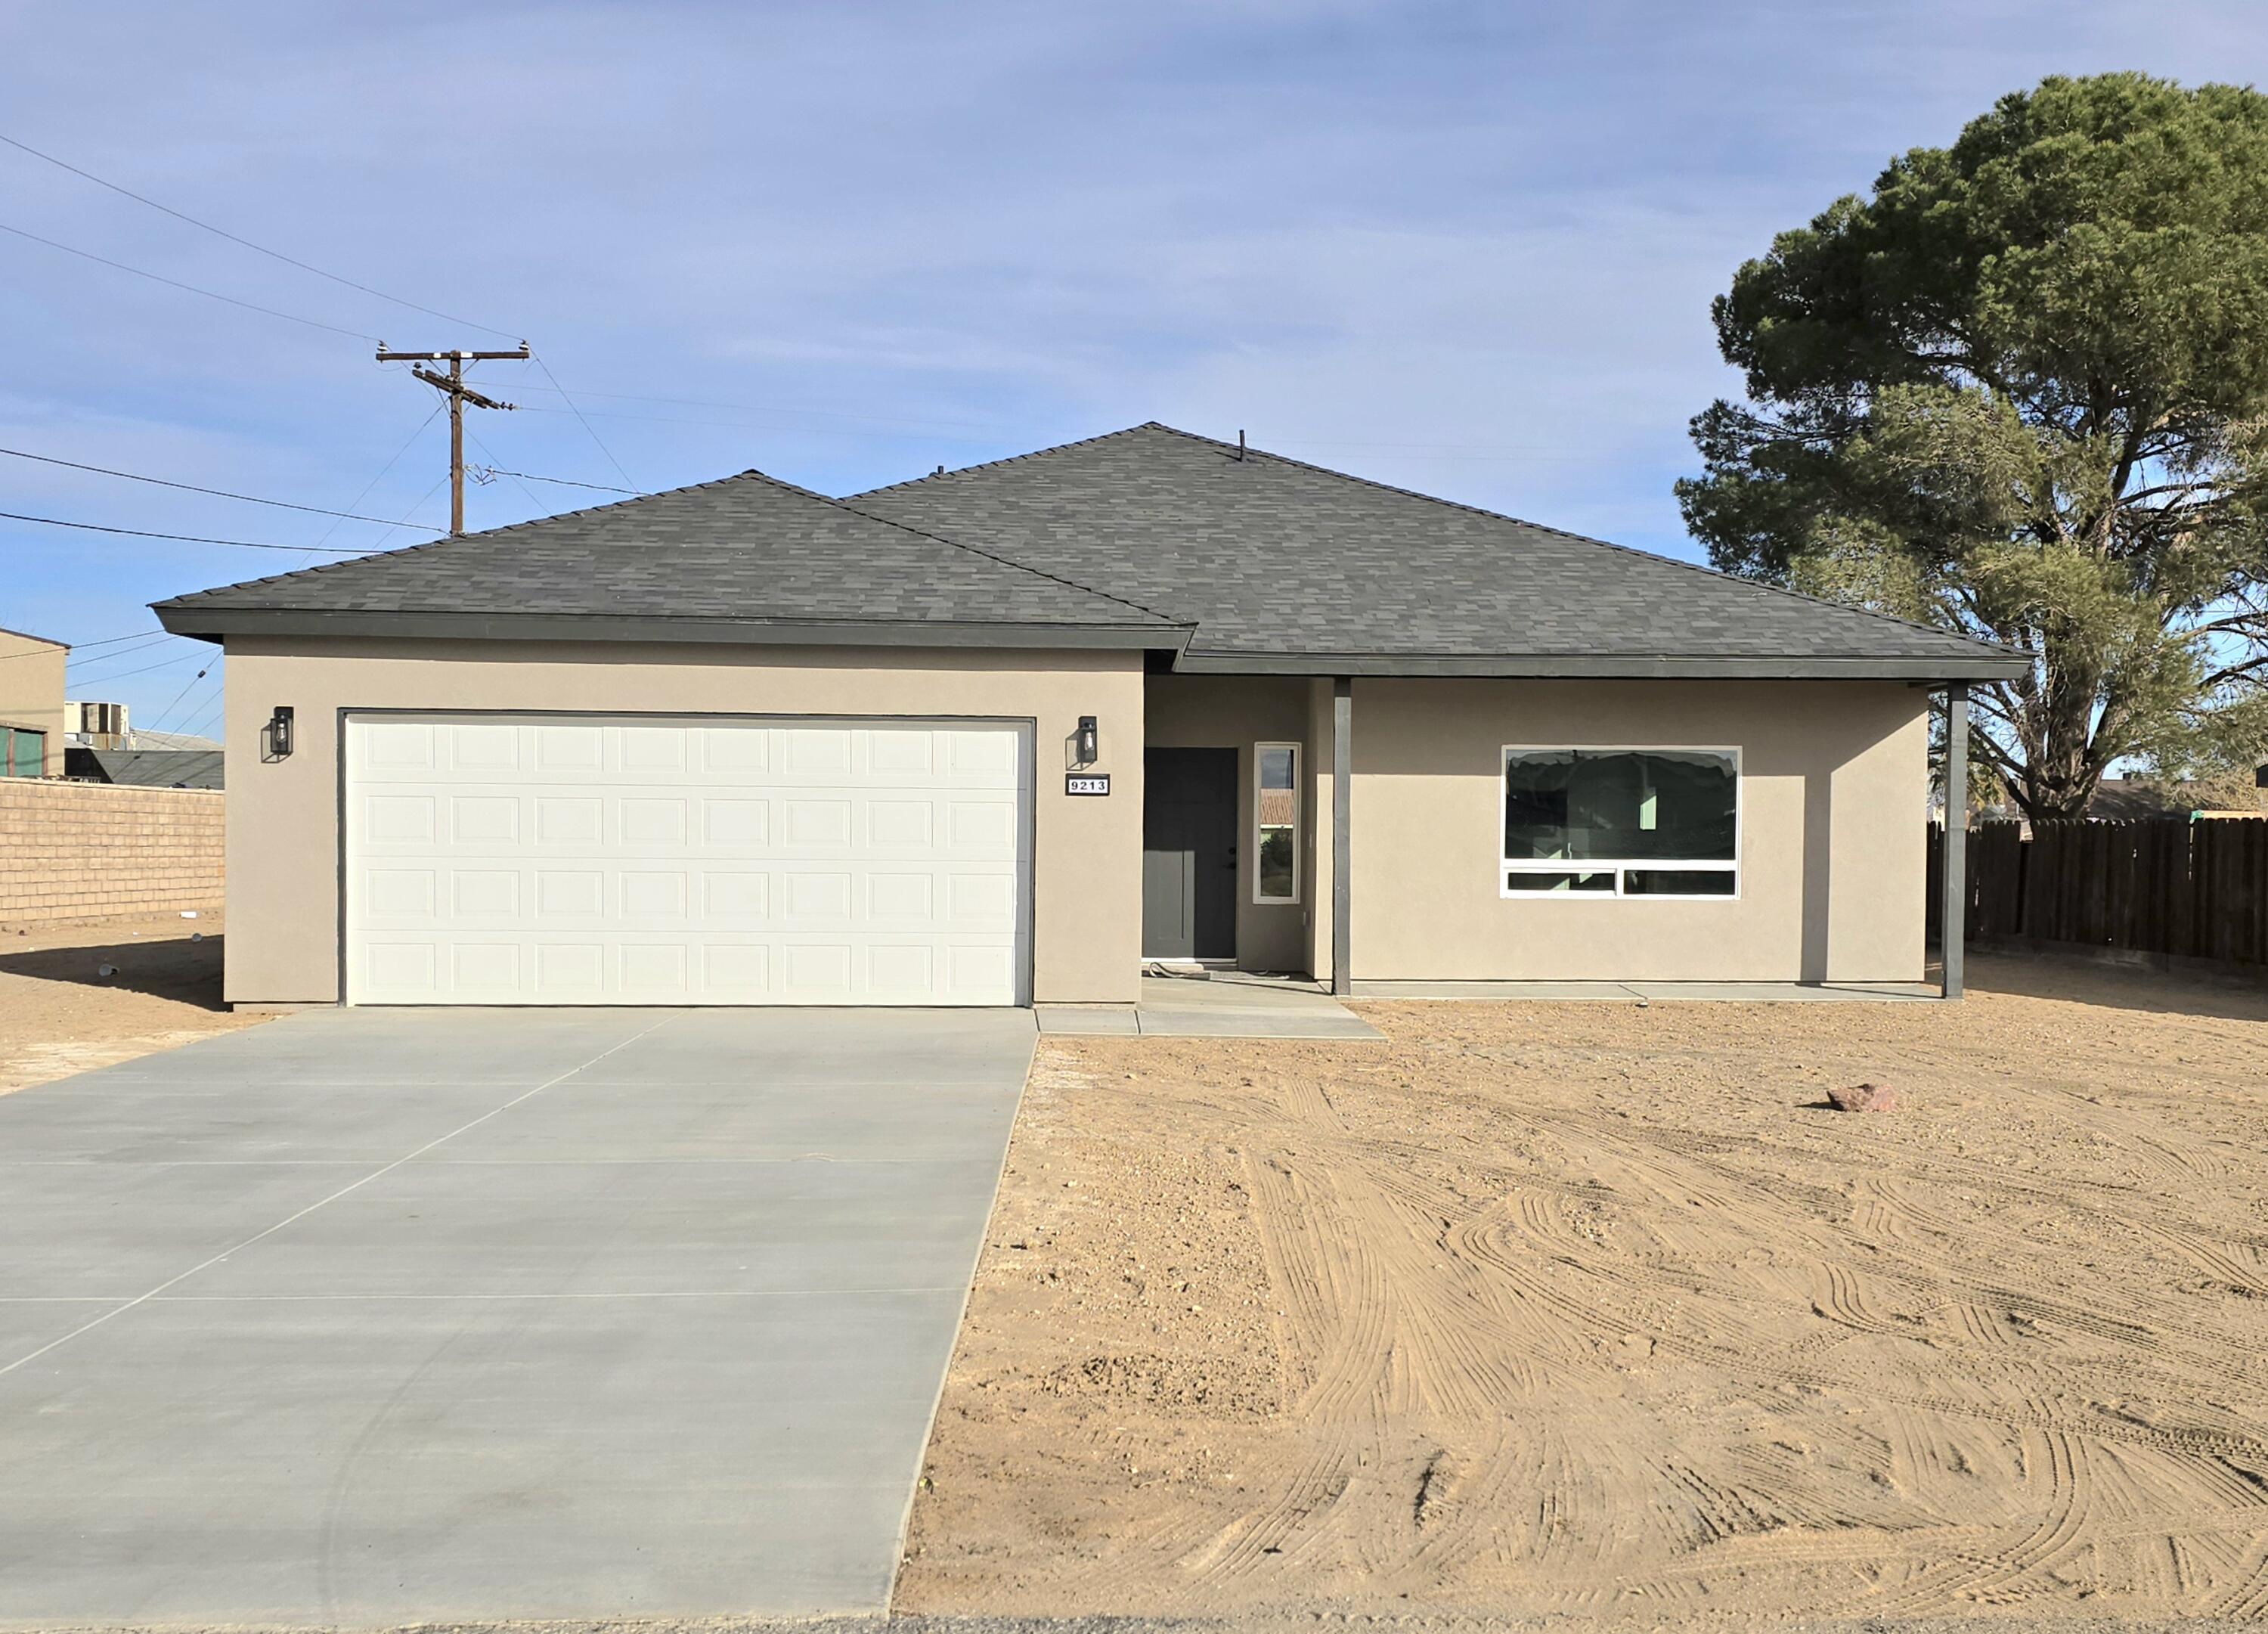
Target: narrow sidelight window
(1622, 822)
(1276, 821)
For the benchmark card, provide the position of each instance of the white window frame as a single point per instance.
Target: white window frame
(1508, 866)
(1298, 831)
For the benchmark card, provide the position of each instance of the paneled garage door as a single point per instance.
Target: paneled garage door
(496, 859)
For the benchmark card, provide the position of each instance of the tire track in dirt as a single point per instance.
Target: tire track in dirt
(1543, 1345)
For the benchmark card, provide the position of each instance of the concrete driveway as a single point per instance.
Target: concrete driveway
(372, 1316)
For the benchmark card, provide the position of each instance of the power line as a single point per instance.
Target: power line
(312, 323)
(164, 719)
(127, 674)
(422, 498)
(634, 493)
(187, 539)
(112, 641)
(382, 470)
(157, 639)
(81, 646)
(259, 248)
(197, 727)
(159, 723)
(167, 725)
(587, 426)
(217, 493)
(484, 474)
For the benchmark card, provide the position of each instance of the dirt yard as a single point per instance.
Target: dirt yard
(1597, 1308)
(59, 1014)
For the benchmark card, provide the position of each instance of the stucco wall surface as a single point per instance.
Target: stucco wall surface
(1834, 784)
(283, 844)
(32, 690)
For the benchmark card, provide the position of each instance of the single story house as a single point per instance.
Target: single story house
(1006, 734)
(31, 705)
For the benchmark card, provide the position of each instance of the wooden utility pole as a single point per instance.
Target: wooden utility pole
(452, 386)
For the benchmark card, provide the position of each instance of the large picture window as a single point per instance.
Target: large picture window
(1276, 822)
(1622, 822)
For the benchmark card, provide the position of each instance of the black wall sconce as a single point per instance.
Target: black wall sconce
(1087, 743)
(275, 736)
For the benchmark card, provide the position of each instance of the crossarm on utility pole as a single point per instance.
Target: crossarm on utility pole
(457, 388)
(452, 386)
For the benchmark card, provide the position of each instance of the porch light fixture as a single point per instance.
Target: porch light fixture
(1086, 744)
(278, 733)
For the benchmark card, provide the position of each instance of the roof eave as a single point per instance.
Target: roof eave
(1984, 665)
(204, 623)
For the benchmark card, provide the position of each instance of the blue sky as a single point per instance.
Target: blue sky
(1466, 247)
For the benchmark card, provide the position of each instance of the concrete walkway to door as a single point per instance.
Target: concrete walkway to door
(373, 1317)
(1229, 1003)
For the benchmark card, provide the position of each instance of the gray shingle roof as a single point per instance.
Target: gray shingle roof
(153, 768)
(1145, 538)
(745, 550)
(1285, 565)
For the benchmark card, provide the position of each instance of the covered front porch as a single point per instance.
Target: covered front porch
(1252, 864)
(1236, 823)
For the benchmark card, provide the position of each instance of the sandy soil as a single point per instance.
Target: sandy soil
(1597, 1308)
(59, 1015)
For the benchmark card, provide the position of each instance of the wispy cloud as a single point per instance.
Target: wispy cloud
(1468, 248)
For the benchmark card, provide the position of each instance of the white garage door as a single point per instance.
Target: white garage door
(495, 859)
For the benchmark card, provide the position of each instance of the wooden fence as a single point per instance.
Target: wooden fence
(2163, 886)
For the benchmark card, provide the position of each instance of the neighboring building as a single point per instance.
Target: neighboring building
(97, 725)
(93, 726)
(1003, 734)
(149, 768)
(31, 705)
(2125, 799)
(104, 746)
(139, 739)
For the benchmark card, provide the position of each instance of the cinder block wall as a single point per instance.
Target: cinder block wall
(92, 850)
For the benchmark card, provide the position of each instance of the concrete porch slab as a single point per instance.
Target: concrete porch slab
(1087, 1020)
(1661, 993)
(1224, 1006)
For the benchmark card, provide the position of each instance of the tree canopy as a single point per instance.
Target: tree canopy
(2022, 391)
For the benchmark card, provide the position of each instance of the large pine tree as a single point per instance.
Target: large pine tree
(2021, 390)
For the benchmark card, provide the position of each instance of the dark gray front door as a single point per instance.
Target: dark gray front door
(1189, 854)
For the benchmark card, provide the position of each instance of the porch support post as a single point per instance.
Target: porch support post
(1954, 919)
(1342, 835)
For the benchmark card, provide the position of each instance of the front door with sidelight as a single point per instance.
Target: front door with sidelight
(1189, 854)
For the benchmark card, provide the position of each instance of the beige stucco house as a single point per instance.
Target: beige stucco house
(1009, 734)
(31, 705)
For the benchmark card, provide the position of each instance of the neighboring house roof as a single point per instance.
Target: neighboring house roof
(149, 768)
(2127, 799)
(25, 634)
(1235, 561)
(744, 558)
(142, 738)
